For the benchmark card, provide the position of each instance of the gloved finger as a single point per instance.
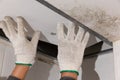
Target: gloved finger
(27, 27)
(85, 39)
(3, 26)
(60, 31)
(20, 23)
(35, 38)
(11, 25)
(71, 31)
(80, 35)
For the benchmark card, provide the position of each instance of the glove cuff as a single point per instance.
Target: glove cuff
(25, 59)
(69, 67)
(23, 64)
(72, 71)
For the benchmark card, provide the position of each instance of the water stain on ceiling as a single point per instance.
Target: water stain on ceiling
(98, 15)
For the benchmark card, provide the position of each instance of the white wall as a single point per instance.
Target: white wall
(94, 68)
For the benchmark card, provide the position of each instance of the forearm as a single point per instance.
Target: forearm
(68, 76)
(20, 71)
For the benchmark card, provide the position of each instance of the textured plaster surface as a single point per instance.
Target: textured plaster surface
(98, 15)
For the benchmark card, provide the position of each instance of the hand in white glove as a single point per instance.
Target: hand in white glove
(71, 48)
(25, 50)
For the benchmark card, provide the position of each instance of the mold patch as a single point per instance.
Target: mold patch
(98, 20)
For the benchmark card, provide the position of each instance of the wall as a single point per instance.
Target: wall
(94, 68)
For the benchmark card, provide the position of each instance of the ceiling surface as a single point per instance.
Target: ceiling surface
(37, 15)
(40, 17)
(102, 16)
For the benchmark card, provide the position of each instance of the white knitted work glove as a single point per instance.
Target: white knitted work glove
(25, 50)
(71, 48)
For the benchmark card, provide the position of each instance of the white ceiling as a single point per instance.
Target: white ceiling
(39, 17)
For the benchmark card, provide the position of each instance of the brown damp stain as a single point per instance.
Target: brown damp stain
(98, 20)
